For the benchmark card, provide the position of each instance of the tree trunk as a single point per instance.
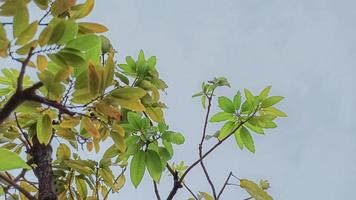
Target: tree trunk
(42, 157)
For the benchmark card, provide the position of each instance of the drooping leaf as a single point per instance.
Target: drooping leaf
(155, 113)
(254, 190)
(10, 160)
(247, 139)
(226, 130)
(81, 187)
(238, 139)
(153, 164)
(137, 168)
(44, 129)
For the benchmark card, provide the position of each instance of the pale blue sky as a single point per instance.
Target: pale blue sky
(305, 48)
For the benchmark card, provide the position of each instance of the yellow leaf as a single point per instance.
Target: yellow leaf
(131, 104)
(26, 48)
(206, 196)
(21, 20)
(254, 190)
(44, 129)
(129, 93)
(108, 110)
(3, 48)
(119, 141)
(41, 62)
(109, 71)
(45, 35)
(61, 6)
(119, 183)
(90, 127)
(93, 79)
(119, 129)
(63, 74)
(89, 27)
(156, 114)
(70, 122)
(81, 10)
(27, 34)
(63, 152)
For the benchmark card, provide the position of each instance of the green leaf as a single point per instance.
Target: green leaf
(270, 101)
(27, 34)
(70, 31)
(44, 129)
(63, 152)
(274, 111)
(247, 139)
(254, 128)
(264, 93)
(221, 116)
(137, 168)
(10, 160)
(1, 191)
(175, 138)
(129, 93)
(81, 187)
(156, 114)
(226, 104)
(237, 101)
(226, 129)
(153, 164)
(21, 20)
(203, 101)
(135, 120)
(238, 139)
(254, 190)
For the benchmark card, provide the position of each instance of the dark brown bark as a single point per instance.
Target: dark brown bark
(42, 157)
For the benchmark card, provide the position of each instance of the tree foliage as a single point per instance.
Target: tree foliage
(80, 97)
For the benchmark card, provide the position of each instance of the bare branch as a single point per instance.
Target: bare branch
(156, 190)
(225, 184)
(190, 191)
(16, 186)
(201, 146)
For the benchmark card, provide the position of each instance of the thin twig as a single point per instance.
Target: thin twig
(16, 186)
(224, 186)
(190, 191)
(176, 186)
(23, 70)
(27, 142)
(117, 178)
(201, 146)
(156, 190)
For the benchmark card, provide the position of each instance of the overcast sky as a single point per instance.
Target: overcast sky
(304, 48)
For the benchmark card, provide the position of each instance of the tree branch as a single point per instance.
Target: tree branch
(23, 70)
(225, 184)
(51, 103)
(23, 191)
(190, 191)
(156, 190)
(201, 146)
(176, 185)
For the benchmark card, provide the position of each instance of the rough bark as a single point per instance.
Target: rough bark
(42, 157)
